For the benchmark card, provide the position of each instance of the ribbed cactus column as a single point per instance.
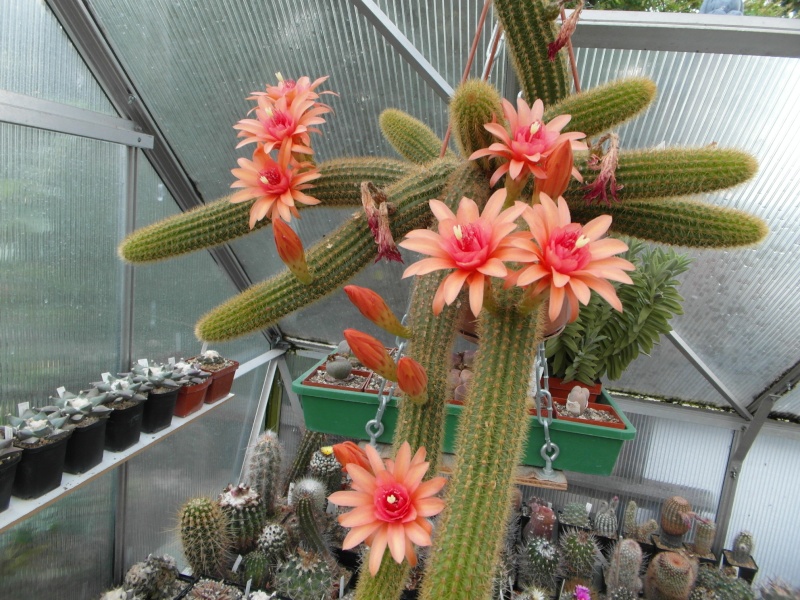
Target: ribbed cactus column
(492, 431)
(423, 424)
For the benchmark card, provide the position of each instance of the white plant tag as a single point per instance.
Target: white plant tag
(290, 494)
(143, 362)
(237, 563)
(61, 391)
(589, 507)
(22, 407)
(331, 508)
(171, 361)
(341, 587)
(106, 377)
(9, 432)
(247, 588)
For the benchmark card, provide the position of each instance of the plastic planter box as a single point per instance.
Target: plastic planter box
(583, 448)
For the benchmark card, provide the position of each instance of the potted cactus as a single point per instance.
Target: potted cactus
(125, 396)
(87, 417)
(44, 448)
(163, 384)
(222, 372)
(193, 391)
(741, 556)
(9, 458)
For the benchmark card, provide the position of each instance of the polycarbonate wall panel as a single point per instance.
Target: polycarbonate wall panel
(737, 302)
(766, 503)
(37, 59)
(60, 199)
(197, 461)
(64, 552)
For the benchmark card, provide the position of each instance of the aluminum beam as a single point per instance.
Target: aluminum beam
(708, 374)
(404, 47)
(676, 32)
(781, 387)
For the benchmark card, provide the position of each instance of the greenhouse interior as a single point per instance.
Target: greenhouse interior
(572, 225)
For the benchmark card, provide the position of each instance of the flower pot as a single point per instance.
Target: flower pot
(39, 470)
(190, 398)
(601, 408)
(357, 384)
(158, 410)
(746, 570)
(124, 427)
(561, 389)
(8, 468)
(221, 381)
(584, 447)
(85, 446)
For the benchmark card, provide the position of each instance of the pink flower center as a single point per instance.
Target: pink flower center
(280, 125)
(392, 502)
(468, 245)
(568, 249)
(273, 180)
(534, 138)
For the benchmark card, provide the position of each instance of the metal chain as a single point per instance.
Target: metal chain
(544, 402)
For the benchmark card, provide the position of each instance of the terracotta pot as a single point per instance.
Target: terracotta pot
(561, 389)
(598, 407)
(221, 382)
(191, 398)
(321, 369)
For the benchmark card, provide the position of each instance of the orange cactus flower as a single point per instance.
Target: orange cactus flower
(277, 122)
(290, 89)
(473, 245)
(390, 506)
(559, 166)
(569, 260)
(276, 185)
(373, 307)
(529, 142)
(350, 452)
(412, 379)
(371, 353)
(290, 250)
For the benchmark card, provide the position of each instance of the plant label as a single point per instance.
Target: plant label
(237, 563)
(247, 588)
(22, 407)
(171, 361)
(61, 391)
(143, 362)
(106, 377)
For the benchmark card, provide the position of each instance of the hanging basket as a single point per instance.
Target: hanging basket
(583, 447)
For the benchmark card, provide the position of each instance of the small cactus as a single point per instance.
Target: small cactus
(704, 535)
(338, 369)
(205, 536)
(712, 583)
(743, 547)
(670, 576)
(274, 543)
(206, 589)
(153, 579)
(246, 516)
(305, 576)
(540, 560)
(575, 514)
(605, 521)
(257, 568)
(624, 566)
(542, 520)
(309, 500)
(264, 469)
(579, 554)
(676, 519)
(310, 443)
(325, 468)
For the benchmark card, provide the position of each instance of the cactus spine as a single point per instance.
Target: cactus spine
(264, 470)
(575, 514)
(274, 543)
(579, 554)
(670, 576)
(246, 516)
(743, 546)
(205, 535)
(333, 261)
(220, 221)
(676, 513)
(624, 566)
(540, 564)
(309, 444)
(304, 577)
(257, 569)
(474, 104)
(410, 137)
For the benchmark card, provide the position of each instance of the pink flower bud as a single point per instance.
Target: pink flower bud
(290, 250)
(559, 168)
(371, 353)
(373, 307)
(412, 379)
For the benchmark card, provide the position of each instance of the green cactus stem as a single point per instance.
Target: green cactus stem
(221, 221)
(489, 446)
(264, 470)
(678, 221)
(529, 28)
(274, 543)
(309, 444)
(410, 137)
(304, 577)
(704, 535)
(246, 516)
(422, 425)
(257, 569)
(332, 261)
(205, 537)
(579, 554)
(670, 576)
(474, 104)
(624, 566)
(325, 468)
(676, 519)
(606, 106)
(575, 515)
(743, 547)
(308, 508)
(671, 172)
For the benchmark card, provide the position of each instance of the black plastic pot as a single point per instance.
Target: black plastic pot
(85, 447)
(39, 470)
(124, 427)
(158, 410)
(8, 468)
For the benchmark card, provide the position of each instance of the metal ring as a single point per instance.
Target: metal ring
(549, 446)
(379, 428)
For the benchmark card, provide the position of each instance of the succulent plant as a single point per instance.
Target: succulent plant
(87, 403)
(32, 426)
(325, 468)
(122, 389)
(580, 554)
(704, 534)
(274, 543)
(605, 519)
(743, 547)
(309, 501)
(210, 361)
(246, 516)
(304, 576)
(775, 589)
(338, 369)
(624, 566)
(670, 576)
(713, 584)
(539, 564)
(676, 520)
(153, 579)
(191, 371)
(310, 443)
(264, 470)
(158, 376)
(542, 520)
(207, 589)
(257, 568)
(205, 536)
(575, 514)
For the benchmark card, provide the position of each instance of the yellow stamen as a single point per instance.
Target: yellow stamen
(457, 232)
(263, 179)
(279, 76)
(582, 241)
(326, 450)
(535, 126)
(391, 499)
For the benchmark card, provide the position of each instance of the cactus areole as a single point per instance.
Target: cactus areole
(490, 245)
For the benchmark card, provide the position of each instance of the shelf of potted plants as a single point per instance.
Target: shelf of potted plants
(20, 510)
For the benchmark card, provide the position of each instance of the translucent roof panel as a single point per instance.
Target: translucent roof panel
(194, 64)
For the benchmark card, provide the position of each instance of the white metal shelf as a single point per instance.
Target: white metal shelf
(19, 510)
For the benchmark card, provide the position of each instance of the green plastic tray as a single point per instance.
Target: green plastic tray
(583, 448)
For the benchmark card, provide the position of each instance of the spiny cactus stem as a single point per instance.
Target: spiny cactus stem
(489, 444)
